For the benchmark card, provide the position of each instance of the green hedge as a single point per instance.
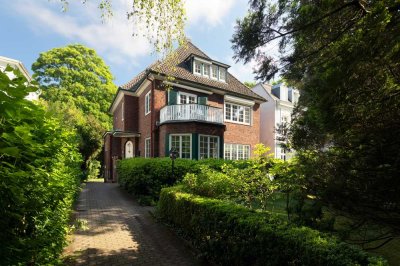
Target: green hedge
(144, 177)
(230, 234)
(40, 177)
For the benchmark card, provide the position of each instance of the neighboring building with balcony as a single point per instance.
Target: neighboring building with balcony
(202, 112)
(276, 110)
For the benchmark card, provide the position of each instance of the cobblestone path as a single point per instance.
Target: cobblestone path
(120, 232)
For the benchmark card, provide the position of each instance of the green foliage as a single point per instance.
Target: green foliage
(230, 234)
(77, 83)
(40, 173)
(144, 177)
(344, 58)
(250, 84)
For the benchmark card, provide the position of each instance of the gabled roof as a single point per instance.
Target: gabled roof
(178, 66)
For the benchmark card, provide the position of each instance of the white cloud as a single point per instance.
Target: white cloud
(82, 23)
(209, 11)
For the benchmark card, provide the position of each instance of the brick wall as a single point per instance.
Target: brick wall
(118, 124)
(131, 109)
(245, 134)
(144, 121)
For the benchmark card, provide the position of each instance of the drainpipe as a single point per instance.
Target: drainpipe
(152, 127)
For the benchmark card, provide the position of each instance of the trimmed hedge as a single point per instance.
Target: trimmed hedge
(231, 234)
(144, 177)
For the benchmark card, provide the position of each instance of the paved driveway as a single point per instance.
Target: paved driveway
(120, 232)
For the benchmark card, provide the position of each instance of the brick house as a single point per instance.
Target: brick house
(201, 112)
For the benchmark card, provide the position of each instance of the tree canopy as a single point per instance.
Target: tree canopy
(344, 57)
(75, 79)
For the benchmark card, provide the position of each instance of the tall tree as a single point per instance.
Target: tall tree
(344, 56)
(75, 79)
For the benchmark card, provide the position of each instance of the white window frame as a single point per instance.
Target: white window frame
(195, 63)
(180, 143)
(147, 149)
(209, 70)
(244, 113)
(216, 71)
(242, 147)
(208, 145)
(220, 70)
(187, 95)
(147, 103)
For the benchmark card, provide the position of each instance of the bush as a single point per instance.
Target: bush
(250, 186)
(231, 234)
(144, 177)
(40, 173)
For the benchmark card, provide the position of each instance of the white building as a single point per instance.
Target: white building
(4, 61)
(278, 109)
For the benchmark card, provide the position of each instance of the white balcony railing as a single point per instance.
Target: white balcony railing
(188, 112)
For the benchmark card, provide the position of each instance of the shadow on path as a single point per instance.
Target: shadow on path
(120, 232)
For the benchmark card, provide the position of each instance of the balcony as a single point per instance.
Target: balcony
(191, 112)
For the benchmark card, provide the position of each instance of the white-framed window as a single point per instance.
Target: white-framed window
(206, 70)
(122, 111)
(222, 74)
(214, 72)
(197, 67)
(208, 147)
(237, 113)
(147, 147)
(236, 151)
(283, 154)
(187, 98)
(147, 99)
(182, 143)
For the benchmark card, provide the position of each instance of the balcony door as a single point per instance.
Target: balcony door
(187, 98)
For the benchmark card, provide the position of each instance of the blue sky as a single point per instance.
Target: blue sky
(30, 27)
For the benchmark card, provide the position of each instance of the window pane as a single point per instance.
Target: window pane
(247, 115)
(228, 111)
(234, 112)
(228, 151)
(214, 72)
(241, 114)
(191, 99)
(213, 147)
(203, 147)
(197, 67)
(206, 70)
(186, 149)
(182, 99)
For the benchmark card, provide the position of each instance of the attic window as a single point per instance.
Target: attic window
(208, 70)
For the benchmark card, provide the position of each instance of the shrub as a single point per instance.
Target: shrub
(231, 234)
(40, 173)
(144, 177)
(250, 186)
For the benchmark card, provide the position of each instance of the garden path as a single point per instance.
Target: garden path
(120, 232)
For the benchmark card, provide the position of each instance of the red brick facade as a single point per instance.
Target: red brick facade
(130, 118)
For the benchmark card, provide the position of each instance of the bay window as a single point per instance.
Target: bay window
(208, 147)
(182, 144)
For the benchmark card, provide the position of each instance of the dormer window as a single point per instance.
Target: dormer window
(206, 70)
(214, 72)
(222, 74)
(209, 70)
(197, 67)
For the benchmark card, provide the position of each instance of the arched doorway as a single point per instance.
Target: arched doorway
(128, 149)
